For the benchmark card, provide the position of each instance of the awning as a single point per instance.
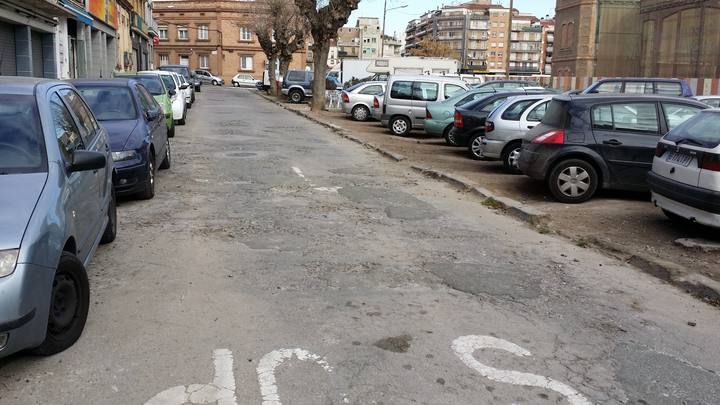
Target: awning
(78, 12)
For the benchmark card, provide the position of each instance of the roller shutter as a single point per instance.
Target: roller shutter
(7, 50)
(37, 54)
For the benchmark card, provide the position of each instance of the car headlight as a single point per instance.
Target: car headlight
(124, 155)
(8, 260)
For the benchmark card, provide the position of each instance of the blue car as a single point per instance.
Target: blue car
(57, 204)
(641, 85)
(138, 134)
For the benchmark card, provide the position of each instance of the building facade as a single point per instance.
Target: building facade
(370, 37)
(211, 35)
(348, 42)
(525, 45)
(548, 46)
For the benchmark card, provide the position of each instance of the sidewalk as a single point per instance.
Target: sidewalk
(625, 225)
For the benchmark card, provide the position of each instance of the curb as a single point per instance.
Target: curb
(340, 131)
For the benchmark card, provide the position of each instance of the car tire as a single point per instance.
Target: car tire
(167, 160)
(400, 126)
(69, 304)
(510, 156)
(449, 136)
(475, 147)
(171, 132)
(149, 187)
(236, 84)
(182, 120)
(360, 113)
(573, 181)
(111, 228)
(296, 96)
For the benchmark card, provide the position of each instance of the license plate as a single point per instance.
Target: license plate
(679, 158)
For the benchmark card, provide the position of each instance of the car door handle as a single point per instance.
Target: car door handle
(531, 126)
(613, 142)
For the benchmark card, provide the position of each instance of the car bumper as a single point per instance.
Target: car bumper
(533, 162)
(686, 211)
(284, 92)
(684, 194)
(24, 306)
(346, 108)
(130, 179)
(436, 127)
(491, 149)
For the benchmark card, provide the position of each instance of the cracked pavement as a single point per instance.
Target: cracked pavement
(367, 265)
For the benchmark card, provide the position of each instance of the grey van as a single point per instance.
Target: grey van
(407, 96)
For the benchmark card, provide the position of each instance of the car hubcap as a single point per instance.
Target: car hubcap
(477, 147)
(360, 114)
(64, 303)
(400, 127)
(296, 97)
(451, 137)
(574, 181)
(514, 157)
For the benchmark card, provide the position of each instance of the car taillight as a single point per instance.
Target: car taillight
(489, 127)
(555, 137)
(459, 120)
(376, 103)
(428, 114)
(711, 162)
(345, 98)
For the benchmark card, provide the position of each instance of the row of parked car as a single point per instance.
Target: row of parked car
(67, 151)
(635, 134)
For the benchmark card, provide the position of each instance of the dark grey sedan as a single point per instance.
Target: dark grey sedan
(57, 204)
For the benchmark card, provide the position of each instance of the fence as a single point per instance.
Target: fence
(700, 87)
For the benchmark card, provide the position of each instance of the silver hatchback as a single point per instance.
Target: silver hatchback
(357, 101)
(506, 126)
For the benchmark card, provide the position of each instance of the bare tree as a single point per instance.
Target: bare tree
(433, 48)
(263, 28)
(324, 23)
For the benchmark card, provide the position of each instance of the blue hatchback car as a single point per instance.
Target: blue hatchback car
(138, 134)
(57, 204)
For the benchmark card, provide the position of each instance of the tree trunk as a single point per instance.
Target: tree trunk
(320, 55)
(274, 91)
(284, 65)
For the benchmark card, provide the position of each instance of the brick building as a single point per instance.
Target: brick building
(213, 35)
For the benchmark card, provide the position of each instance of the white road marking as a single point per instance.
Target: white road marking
(268, 364)
(220, 391)
(322, 189)
(328, 189)
(465, 346)
(298, 172)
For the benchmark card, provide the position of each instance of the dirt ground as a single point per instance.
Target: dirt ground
(612, 219)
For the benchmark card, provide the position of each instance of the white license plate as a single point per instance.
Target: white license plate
(679, 158)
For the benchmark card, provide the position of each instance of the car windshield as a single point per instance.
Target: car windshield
(152, 84)
(110, 103)
(21, 138)
(700, 130)
(169, 82)
(179, 70)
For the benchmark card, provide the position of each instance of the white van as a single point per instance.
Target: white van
(407, 96)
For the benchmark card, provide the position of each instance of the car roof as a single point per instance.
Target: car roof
(23, 85)
(704, 97)
(590, 98)
(117, 82)
(426, 77)
(159, 72)
(640, 79)
(174, 66)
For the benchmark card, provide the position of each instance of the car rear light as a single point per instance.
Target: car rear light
(428, 114)
(555, 137)
(711, 162)
(376, 103)
(345, 98)
(459, 120)
(489, 126)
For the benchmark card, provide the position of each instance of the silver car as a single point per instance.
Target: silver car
(377, 106)
(55, 158)
(357, 101)
(506, 126)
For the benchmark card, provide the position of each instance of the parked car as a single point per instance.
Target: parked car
(357, 100)
(685, 176)
(377, 108)
(297, 85)
(586, 142)
(406, 99)
(505, 84)
(712, 101)
(205, 76)
(666, 87)
(189, 76)
(469, 119)
(154, 84)
(56, 206)
(439, 115)
(243, 80)
(506, 127)
(187, 89)
(175, 92)
(138, 137)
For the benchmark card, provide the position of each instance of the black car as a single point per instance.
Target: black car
(585, 142)
(470, 117)
(189, 76)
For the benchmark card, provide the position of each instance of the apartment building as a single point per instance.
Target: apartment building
(348, 42)
(548, 46)
(525, 45)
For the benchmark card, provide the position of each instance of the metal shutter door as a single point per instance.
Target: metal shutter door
(7, 49)
(37, 54)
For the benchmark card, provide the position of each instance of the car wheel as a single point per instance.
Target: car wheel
(400, 126)
(360, 113)
(69, 303)
(475, 147)
(111, 228)
(296, 97)
(449, 135)
(182, 120)
(149, 190)
(215, 83)
(171, 132)
(573, 181)
(236, 84)
(167, 160)
(511, 156)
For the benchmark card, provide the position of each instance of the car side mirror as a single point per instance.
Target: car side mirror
(184, 86)
(152, 115)
(171, 92)
(84, 160)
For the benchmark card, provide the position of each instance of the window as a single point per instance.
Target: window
(515, 111)
(246, 63)
(537, 113)
(66, 132)
(164, 59)
(676, 114)
(202, 32)
(453, 89)
(85, 119)
(639, 88)
(713, 102)
(608, 87)
(638, 117)
(22, 149)
(670, 89)
(204, 61)
(110, 103)
(245, 34)
(423, 91)
(182, 34)
(296, 76)
(401, 91)
(373, 90)
(148, 100)
(493, 105)
(163, 33)
(702, 129)
(144, 104)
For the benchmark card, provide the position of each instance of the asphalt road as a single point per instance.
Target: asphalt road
(281, 264)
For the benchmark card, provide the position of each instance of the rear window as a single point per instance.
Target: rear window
(492, 105)
(110, 103)
(515, 111)
(702, 130)
(424, 91)
(183, 71)
(639, 88)
(668, 88)
(372, 90)
(401, 91)
(608, 87)
(556, 115)
(296, 76)
(152, 83)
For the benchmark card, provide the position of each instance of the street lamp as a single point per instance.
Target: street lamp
(382, 38)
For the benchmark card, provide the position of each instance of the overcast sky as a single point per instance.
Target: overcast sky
(397, 19)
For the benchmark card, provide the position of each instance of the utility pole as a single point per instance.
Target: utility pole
(382, 36)
(508, 34)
